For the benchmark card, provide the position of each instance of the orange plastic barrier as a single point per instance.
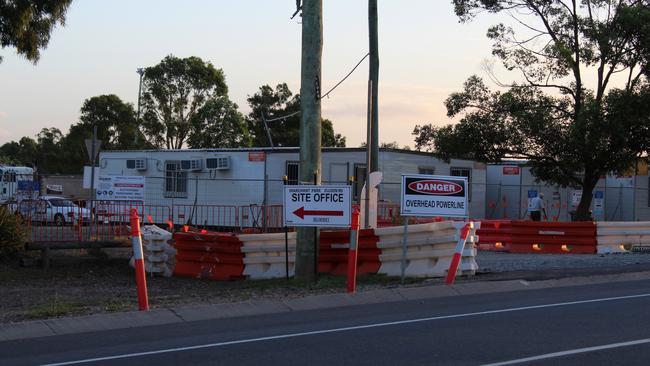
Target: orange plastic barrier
(553, 237)
(495, 235)
(211, 255)
(333, 253)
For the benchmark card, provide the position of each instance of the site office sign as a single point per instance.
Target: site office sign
(317, 206)
(434, 195)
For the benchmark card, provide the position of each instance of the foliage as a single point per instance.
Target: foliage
(571, 131)
(12, 234)
(172, 94)
(27, 24)
(282, 109)
(218, 124)
(117, 129)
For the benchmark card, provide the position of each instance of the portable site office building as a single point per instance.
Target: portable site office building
(185, 183)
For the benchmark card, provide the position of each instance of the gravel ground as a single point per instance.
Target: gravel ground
(506, 262)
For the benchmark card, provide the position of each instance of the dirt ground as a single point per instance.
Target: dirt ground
(77, 284)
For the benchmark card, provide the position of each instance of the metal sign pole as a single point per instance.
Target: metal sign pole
(404, 246)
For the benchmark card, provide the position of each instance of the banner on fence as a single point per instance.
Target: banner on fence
(121, 188)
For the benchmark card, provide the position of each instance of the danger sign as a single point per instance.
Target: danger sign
(434, 195)
(317, 206)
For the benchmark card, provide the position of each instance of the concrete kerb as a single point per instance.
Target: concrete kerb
(124, 320)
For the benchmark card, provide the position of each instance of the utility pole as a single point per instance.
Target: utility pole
(310, 129)
(140, 72)
(373, 110)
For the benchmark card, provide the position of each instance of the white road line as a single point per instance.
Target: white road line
(344, 329)
(570, 352)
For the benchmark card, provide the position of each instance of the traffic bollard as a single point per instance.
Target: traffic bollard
(352, 253)
(458, 253)
(138, 255)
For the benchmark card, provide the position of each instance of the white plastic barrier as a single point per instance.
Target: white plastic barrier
(430, 248)
(614, 237)
(159, 254)
(264, 255)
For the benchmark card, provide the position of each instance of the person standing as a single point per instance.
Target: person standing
(537, 207)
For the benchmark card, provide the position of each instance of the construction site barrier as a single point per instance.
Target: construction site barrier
(210, 255)
(620, 237)
(264, 255)
(334, 247)
(159, 254)
(430, 248)
(553, 237)
(495, 235)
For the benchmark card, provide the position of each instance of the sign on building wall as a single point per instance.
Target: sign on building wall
(434, 195)
(120, 187)
(317, 206)
(510, 170)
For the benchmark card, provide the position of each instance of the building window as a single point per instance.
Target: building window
(467, 173)
(293, 172)
(426, 170)
(175, 180)
(359, 180)
(130, 164)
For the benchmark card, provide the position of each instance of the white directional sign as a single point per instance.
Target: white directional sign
(317, 206)
(434, 195)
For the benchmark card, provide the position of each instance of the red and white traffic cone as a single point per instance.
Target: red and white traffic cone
(138, 255)
(458, 253)
(352, 253)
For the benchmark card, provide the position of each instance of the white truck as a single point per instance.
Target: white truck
(17, 183)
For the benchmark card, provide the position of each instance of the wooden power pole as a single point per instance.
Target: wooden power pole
(310, 129)
(373, 76)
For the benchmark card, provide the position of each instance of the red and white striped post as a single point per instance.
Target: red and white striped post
(458, 253)
(138, 255)
(352, 253)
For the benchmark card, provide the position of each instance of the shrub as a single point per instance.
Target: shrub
(12, 234)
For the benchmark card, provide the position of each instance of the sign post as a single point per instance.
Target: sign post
(431, 196)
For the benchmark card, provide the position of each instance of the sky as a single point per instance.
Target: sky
(425, 54)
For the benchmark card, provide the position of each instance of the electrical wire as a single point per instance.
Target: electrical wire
(346, 76)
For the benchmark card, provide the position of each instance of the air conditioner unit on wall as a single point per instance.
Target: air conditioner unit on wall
(140, 164)
(218, 163)
(137, 164)
(194, 165)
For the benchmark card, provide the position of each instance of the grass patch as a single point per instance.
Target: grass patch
(52, 310)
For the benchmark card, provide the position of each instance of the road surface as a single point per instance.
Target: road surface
(605, 324)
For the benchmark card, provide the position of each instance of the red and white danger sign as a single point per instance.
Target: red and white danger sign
(434, 195)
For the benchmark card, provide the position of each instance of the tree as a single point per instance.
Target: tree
(218, 124)
(570, 130)
(49, 152)
(173, 93)
(282, 109)
(117, 129)
(27, 24)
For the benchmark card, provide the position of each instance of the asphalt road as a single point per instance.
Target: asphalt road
(606, 324)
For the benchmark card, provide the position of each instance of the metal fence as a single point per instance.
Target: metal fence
(216, 204)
